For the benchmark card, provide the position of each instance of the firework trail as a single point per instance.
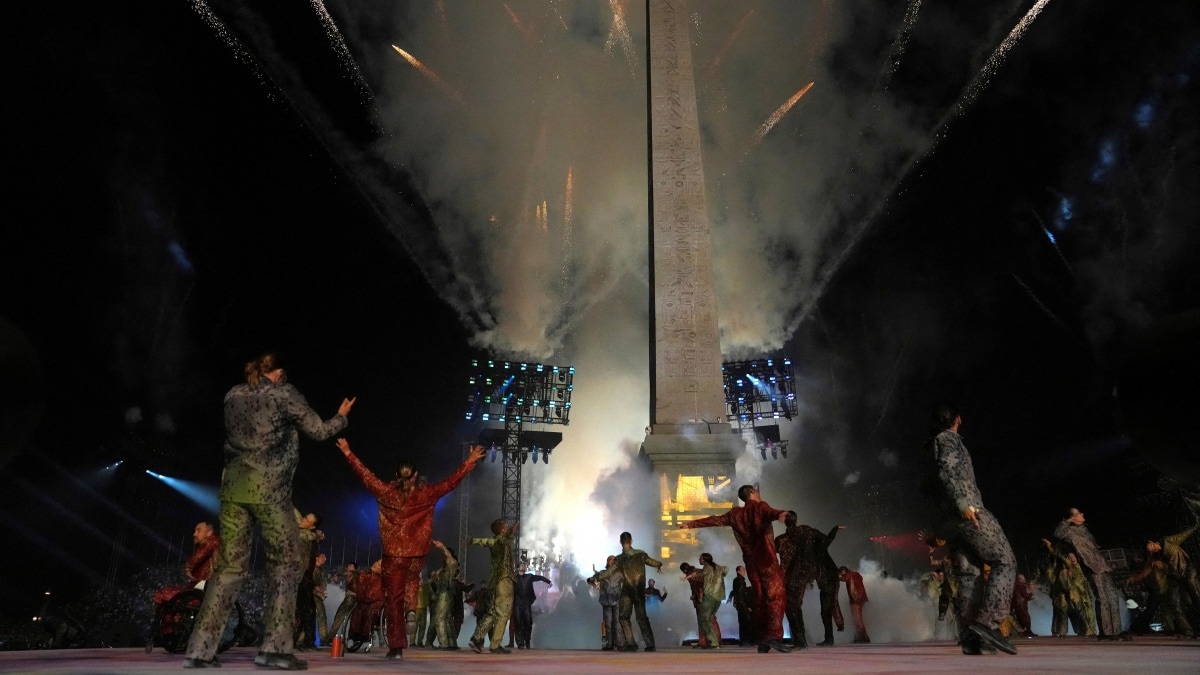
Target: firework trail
(969, 94)
(430, 75)
(239, 52)
(543, 216)
(1041, 305)
(342, 51)
(724, 50)
(526, 33)
(619, 34)
(896, 54)
(993, 63)
(778, 114)
(568, 217)
(1054, 244)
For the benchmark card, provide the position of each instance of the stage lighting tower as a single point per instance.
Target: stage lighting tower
(513, 394)
(758, 393)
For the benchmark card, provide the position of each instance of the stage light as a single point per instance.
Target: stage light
(493, 448)
(204, 496)
(534, 451)
(545, 457)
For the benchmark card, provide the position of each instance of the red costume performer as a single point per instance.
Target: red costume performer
(198, 567)
(751, 526)
(368, 588)
(858, 597)
(406, 530)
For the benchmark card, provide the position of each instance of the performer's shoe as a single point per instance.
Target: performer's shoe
(973, 646)
(629, 648)
(779, 646)
(992, 637)
(476, 645)
(606, 648)
(651, 649)
(280, 661)
(825, 643)
(764, 648)
(500, 650)
(395, 654)
(201, 663)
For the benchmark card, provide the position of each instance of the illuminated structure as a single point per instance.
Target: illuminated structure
(516, 394)
(689, 444)
(758, 393)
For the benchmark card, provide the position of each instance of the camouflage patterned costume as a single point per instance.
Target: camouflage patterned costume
(949, 486)
(444, 584)
(610, 583)
(1096, 569)
(262, 449)
(710, 602)
(501, 584)
(632, 563)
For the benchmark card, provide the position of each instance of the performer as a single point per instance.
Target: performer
(695, 578)
(501, 582)
(319, 585)
(199, 565)
(804, 558)
(1170, 580)
(348, 601)
(610, 583)
(424, 606)
(443, 583)
(751, 526)
(523, 597)
(1022, 594)
(369, 588)
(262, 449)
(857, 594)
(653, 592)
(461, 589)
(1072, 532)
(406, 530)
(972, 532)
(712, 593)
(306, 602)
(742, 597)
(632, 563)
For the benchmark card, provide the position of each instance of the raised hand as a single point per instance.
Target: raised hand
(347, 403)
(344, 446)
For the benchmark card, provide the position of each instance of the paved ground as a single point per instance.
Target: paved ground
(1160, 656)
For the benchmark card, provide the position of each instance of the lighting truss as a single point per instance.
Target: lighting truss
(516, 394)
(759, 392)
(532, 393)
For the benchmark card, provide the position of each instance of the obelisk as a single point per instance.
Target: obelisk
(689, 438)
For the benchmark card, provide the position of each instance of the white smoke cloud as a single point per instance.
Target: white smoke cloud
(851, 478)
(889, 458)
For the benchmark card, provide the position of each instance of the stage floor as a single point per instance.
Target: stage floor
(1163, 656)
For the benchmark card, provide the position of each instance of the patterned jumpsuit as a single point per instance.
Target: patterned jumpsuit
(1095, 567)
(949, 485)
(262, 449)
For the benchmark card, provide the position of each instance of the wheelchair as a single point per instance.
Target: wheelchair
(175, 619)
(358, 640)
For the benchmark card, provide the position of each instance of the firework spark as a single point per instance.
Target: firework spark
(543, 216)
(968, 96)
(619, 34)
(778, 114)
(430, 75)
(900, 43)
(342, 51)
(239, 52)
(724, 50)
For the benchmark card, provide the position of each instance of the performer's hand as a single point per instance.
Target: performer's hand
(347, 403)
(476, 454)
(437, 543)
(841, 527)
(970, 514)
(344, 446)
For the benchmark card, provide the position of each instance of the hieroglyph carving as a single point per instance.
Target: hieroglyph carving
(687, 338)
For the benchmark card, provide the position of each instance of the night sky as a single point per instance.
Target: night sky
(191, 184)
